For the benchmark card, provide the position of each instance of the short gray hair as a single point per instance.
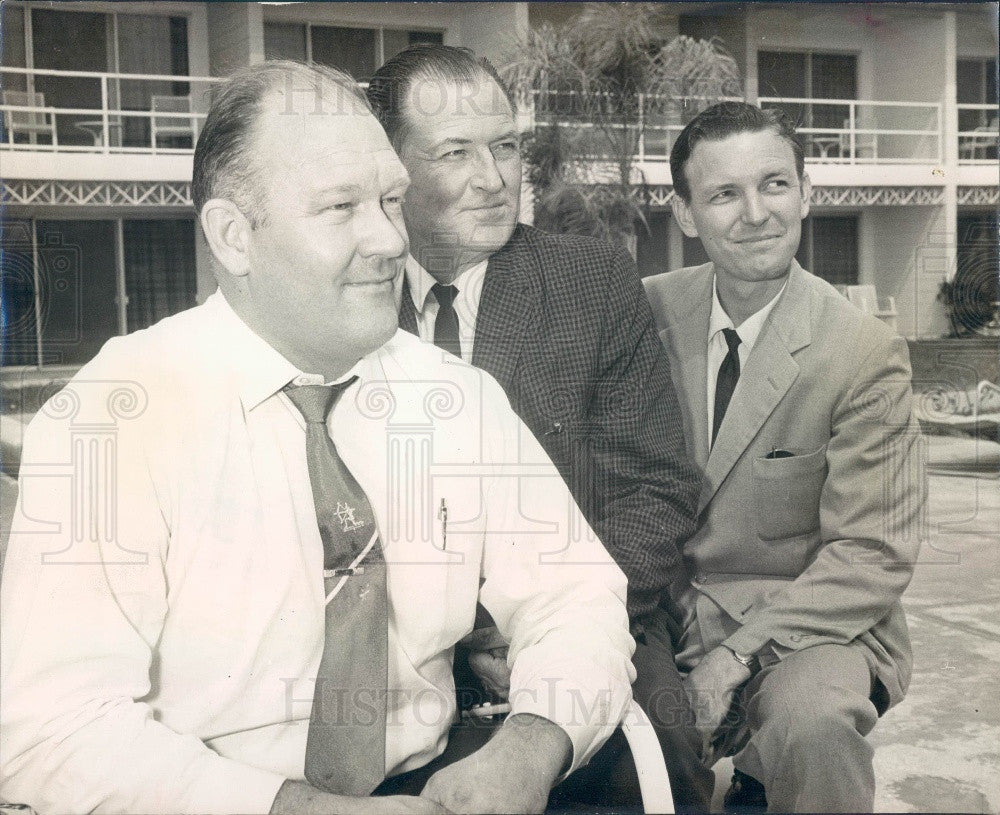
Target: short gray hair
(224, 161)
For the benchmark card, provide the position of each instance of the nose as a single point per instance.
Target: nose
(378, 236)
(486, 176)
(755, 212)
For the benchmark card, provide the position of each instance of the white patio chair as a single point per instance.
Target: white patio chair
(31, 123)
(171, 126)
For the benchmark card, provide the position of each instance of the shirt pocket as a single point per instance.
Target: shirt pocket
(786, 493)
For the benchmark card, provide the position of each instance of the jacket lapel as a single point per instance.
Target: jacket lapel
(507, 311)
(769, 373)
(688, 329)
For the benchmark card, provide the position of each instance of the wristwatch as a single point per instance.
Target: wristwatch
(749, 661)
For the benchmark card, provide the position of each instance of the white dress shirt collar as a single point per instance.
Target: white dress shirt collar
(470, 289)
(749, 329)
(260, 370)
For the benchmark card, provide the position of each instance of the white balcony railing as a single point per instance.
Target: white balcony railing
(836, 131)
(978, 131)
(93, 112)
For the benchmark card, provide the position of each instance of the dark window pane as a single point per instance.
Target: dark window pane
(159, 270)
(969, 82)
(148, 44)
(351, 49)
(834, 76)
(394, 41)
(974, 290)
(435, 37)
(12, 53)
(70, 41)
(17, 296)
(835, 249)
(694, 252)
(285, 41)
(77, 277)
(780, 73)
(652, 253)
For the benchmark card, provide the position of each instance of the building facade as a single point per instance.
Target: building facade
(102, 102)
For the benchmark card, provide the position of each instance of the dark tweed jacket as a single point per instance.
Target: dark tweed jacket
(566, 329)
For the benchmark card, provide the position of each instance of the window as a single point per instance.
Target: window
(106, 43)
(829, 248)
(807, 75)
(974, 296)
(358, 51)
(976, 84)
(62, 278)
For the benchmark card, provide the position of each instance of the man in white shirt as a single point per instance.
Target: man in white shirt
(165, 592)
(797, 409)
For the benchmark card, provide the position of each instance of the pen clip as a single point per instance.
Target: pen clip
(443, 517)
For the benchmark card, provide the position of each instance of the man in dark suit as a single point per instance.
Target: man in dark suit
(562, 323)
(797, 408)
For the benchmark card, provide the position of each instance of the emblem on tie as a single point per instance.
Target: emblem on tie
(345, 514)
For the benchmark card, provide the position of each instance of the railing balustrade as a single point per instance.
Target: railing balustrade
(95, 112)
(978, 132)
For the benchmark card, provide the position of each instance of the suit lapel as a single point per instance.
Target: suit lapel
(689, 337)
(507, 311)
(769, 373)
(407, 314)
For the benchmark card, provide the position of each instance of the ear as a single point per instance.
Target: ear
(227, 231)
(683, 215)
(806, 193)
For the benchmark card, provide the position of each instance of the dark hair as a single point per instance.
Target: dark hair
(727, 119)
(224, 158)
(391, 84)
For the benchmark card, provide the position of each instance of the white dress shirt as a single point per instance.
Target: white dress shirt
(163, 601)
(470, 289)
(748, 330)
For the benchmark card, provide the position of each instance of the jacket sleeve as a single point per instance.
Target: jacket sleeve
(556, 595)
(83, 602)
(871, 513)
(644, 489)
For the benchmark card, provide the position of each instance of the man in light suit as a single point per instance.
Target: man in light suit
(562, 324)
(797, 409)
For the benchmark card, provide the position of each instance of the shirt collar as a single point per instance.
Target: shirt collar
(750, 328)
(421, 281)
(260, 370)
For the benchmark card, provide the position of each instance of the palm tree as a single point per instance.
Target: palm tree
(601, 85)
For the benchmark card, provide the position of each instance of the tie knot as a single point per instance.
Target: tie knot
(732, 339)
(316, 401)
(445, 294)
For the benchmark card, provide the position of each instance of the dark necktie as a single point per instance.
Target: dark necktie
(446, 323)
(345, 746)
(729, 375)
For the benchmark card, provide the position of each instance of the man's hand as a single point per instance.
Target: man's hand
(711, 687)
(491, 668)
(298, 798)
(513, 772)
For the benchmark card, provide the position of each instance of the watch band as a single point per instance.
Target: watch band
(749, 661)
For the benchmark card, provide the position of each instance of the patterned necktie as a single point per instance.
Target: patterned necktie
(446, 323)
(729, 374)
(345, 747)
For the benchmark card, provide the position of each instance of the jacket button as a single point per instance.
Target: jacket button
(795, 637)
(699, 578)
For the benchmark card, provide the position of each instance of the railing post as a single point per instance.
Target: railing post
(852, 123)
(105, 129)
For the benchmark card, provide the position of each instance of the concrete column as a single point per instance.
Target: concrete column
(950, 140)
(235, 36)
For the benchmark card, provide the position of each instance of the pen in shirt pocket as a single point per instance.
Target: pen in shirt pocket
(443, 517)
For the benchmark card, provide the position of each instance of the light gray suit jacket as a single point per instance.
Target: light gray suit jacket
(817, 547)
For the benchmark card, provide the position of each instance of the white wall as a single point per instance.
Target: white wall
(976, 32)
(236, 36)
(911, 249)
